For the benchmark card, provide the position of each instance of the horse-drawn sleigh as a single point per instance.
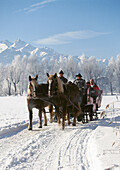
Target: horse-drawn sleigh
(64, 97)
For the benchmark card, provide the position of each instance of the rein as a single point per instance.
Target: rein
(71, 102)
(51, 102)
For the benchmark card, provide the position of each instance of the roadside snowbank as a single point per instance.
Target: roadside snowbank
(14, 113)
(105, 142)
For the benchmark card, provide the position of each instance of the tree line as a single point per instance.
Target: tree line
(14, 76)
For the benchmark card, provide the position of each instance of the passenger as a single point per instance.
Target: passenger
(62, 77)
(89, 93)
(81, 85)
(89, 100)
(95, 87)
(96, 94)
(87, 84)
(90, 90)
(87, 96)
(80, 82)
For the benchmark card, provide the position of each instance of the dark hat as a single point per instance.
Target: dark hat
(61, 72)
(79, 75)
(87, 82)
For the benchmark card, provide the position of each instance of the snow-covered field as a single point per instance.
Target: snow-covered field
(91, 146)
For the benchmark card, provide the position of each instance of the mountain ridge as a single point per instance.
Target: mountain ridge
(8, 50)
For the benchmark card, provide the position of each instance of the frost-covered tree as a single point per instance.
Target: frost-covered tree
(1, 78)
(117, 70)
(14, 76)
(98, 70)
(24, 76)
(16, 72)
(71, 67)
(33, 65)
(87, 67)
(7, 80)
(111, 73)
(62, 64)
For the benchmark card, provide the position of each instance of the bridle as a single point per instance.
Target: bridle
(50, 87)
(32, 89)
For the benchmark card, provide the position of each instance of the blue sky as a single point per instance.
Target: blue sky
(70, 27)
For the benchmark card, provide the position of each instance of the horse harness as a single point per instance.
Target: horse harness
(55, 91)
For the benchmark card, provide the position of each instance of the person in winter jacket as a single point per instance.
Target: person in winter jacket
(80, 82)
(81, 85)
(62, 77)
(95, 87)
(98, 94)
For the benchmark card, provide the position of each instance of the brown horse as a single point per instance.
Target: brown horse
(35, 91)
(63, 96)
(56, 94)
(72, 94)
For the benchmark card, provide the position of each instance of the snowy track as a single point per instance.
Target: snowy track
(47, 148)
(51, 148)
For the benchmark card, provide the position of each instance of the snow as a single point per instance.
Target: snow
(91, 146)
(3, 47)
(11, 49)
(18, 44)
(43, 53)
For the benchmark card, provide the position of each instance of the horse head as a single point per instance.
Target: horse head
(55, 85)
(32, 86)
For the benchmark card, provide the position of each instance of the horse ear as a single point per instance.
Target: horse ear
(36, 77)
(30, 78)
(47, 74)
(55, 75)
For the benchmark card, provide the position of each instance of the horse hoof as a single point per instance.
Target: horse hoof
(50, 120)
(39, 126)
(29, 128)
(63, 127)
(45, 124)
(68, 123)
(74, 124)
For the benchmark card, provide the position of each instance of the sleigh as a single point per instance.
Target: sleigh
(90, 109)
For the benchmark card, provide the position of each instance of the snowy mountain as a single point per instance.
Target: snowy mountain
(4, 45)
(8, 50)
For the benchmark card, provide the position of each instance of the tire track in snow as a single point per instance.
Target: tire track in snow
(46, 149)
(74, 153)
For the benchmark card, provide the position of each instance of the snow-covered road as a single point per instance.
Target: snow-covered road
(84, 147)
(47, 148)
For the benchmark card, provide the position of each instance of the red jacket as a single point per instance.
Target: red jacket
(97, 90)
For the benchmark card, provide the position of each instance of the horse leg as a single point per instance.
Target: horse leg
(30, 120)
(58, 114)
(68, 118)
(40, 119)
(51, 113)
(74, 119)
(77, 113)
(45, 118)
(63, 116)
